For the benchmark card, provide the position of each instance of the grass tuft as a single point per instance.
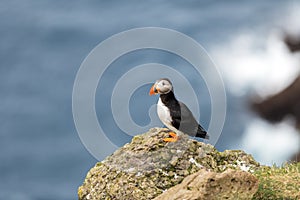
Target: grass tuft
(278, 182)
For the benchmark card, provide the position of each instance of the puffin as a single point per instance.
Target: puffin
(174, 114)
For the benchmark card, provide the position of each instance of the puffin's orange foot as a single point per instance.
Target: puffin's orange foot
(173, 137)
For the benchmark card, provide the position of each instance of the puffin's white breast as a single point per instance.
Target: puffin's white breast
(164, 114)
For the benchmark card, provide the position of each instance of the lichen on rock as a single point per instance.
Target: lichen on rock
(148, 166)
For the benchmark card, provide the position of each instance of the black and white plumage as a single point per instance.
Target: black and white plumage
(173, 113)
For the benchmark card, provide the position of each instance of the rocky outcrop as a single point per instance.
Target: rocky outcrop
(202, 185)
(148, 167)
(285, 103)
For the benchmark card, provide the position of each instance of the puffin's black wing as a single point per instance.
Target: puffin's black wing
(188, 123)
(176, 117)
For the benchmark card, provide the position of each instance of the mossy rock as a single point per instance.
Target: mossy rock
(148, 166)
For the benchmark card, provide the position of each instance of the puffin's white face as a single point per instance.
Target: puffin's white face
(161, 86)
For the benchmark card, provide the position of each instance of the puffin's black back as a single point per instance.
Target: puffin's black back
(185, 121)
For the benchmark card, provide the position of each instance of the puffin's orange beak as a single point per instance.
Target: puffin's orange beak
(153, 90)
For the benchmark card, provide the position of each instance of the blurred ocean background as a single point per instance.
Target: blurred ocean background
(43, 44)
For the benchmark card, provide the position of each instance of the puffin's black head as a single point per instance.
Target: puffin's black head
(161, 86)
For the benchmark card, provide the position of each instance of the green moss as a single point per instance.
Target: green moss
(278, 182)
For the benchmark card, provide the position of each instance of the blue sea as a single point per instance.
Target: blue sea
(42, 45)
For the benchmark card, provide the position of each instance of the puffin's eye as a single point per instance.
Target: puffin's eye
(163, 83)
